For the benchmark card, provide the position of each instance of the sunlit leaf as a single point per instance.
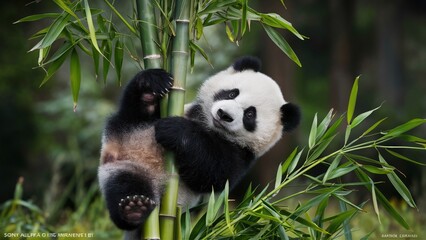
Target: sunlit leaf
(199, 28)
(313, 133)
(340, 171)
(282, 44)
(229, 33)
(332, 166)
(374, 126)
(210, 214)
(92, 31)
(352, 100)
(320, 148)
(332, 130)
(395, 132)
(67, 9)
(294, 162)
(279, 176)
(322, 127)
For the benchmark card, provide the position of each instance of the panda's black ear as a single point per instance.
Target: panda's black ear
(247, 63)
(290, 116)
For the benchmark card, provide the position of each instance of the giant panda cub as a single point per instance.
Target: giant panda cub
(237, 116)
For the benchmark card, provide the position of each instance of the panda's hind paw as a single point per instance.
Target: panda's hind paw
(135, 209)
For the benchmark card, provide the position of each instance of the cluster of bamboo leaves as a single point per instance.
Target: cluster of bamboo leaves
(108, 36)
(263, 215)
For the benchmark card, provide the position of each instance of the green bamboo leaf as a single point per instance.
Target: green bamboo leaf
(352, 100)
(294, 162)
(377, 170)
(226, 208)
(107, 50)
(118, 59)
(282, 44)
(333, 129)
(198, 49)
(229, 33)
(303, 221)
(374, 200)
(244, 4)
(374, 126)
(414, 139)
(53, 33)
(313, 133)
(92, 31)
(340, 171)
(397, 131)
(54, 66)
(404, 157)
(279, 176)
(347, 134)
(210, 214)
(37, 17)
(319, 216)
(332, 167)
(320, 148)
(360, 118)
(322, 127)
(199, 28)
(276, 21)
(216, 6)
(63, 49)
(288, 161)
(337, 221)
(67, 9)
(128, 25)
(95, 57)
(399, 185)
(75, 76)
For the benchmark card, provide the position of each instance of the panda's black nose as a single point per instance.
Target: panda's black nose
(224, 115)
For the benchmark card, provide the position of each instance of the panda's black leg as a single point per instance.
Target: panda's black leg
(134, 208)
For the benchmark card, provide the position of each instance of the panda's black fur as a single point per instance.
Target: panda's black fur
(207, 150)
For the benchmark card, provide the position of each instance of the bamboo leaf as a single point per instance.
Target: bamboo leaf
(347, 134)
(397, 131)
(352, 100)
(118, 59)
(337, 222)
(199, 28)
(130, 27)
(53, 33)
(360, 118)
(244, 16)
(211, 213)
(67, 9)
(54, 66)
(229, 33)
(37, 17)
(288, 161)
(75, 76)
(322, 127)
(404, 157)
(399, 185)
(340, 171)
(279, 176)
(95, 57)
(333, 129)
(282, 44)
(377, 170)
(106, 48)
(226, 208)
(92, 31)
(374, 200)
(320, 149)
(332, 167)
(294, 163)
(276, 21)
(374, 126)
(313, 133)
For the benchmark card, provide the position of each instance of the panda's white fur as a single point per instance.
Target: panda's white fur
(256, 89)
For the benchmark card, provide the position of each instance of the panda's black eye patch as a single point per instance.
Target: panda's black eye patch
(226, 94)
(249, 119)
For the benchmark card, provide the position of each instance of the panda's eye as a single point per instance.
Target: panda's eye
(249, 114)
(232, 95)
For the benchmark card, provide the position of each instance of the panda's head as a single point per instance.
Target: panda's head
(246, 106)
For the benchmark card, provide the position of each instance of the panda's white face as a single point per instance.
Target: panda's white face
(244, 107)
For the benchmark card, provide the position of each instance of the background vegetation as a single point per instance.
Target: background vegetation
(56, 150)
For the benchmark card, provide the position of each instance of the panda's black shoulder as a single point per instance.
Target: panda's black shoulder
(247, 63)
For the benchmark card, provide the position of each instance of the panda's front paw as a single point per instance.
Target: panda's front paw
(155, 81)
(135, 209)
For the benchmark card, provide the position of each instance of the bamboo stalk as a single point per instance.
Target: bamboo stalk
(179, 66)
(151, 59)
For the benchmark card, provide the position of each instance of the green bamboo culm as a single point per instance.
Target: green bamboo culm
(151, 59)
(179, 66)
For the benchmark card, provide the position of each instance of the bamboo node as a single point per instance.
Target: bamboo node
(178, 88)
(152, 56)
(183, 20)
(167, 216)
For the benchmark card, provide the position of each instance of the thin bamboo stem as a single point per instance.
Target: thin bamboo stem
(179, 66)
(151, 59)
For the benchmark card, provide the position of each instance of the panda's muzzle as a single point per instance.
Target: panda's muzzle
(224, 116)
